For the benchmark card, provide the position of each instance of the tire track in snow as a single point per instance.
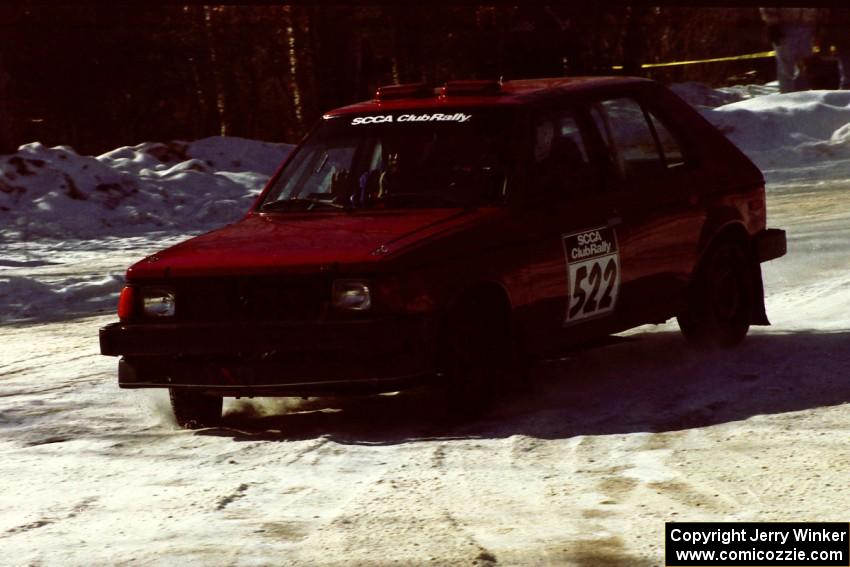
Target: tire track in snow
(309, 449)
(70, 384)
(483, 556)
(52, 362)
(77, 509)
(400, 512)
(238, 493)
(28, 527)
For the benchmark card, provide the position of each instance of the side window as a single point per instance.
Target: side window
(673, 156)
(632, 136)
(638, 143)
(600, 119)
(561, 162)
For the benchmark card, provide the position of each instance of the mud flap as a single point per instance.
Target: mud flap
(758, 313)
(768, 244)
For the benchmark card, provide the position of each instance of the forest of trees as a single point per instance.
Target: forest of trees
(96, 76)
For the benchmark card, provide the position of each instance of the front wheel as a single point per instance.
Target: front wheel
(193, 409)
(720, 299)
(478, 358)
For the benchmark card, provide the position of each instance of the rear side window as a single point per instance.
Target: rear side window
(561, 160)
(670, 148)
(637, 142)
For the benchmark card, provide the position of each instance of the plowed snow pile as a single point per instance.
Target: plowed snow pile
(584, 471)
(58, 208)
(55, 193)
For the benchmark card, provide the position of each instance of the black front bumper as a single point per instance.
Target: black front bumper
(242, 359)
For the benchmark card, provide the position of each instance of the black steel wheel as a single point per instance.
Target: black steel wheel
(478, 357)
(193, 409)
(721, 298)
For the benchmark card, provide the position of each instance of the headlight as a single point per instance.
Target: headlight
(351, 295)
(158, 303)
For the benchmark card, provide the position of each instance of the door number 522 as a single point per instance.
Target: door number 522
(593, 286)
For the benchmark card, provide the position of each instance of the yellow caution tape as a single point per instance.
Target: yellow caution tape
(759, 55)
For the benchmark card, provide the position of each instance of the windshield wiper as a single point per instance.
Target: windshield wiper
(309, 201)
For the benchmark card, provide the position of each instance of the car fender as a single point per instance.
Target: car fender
(489, 290)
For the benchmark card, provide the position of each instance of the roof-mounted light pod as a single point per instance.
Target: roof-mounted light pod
(472, 88)
(407, 90)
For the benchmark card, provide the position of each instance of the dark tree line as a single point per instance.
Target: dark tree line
(96, 77)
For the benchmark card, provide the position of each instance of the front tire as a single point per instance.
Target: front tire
(478, 358)
(720, 300)
(193, 409)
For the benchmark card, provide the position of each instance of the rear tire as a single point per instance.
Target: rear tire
(720, 299)
(193, 409)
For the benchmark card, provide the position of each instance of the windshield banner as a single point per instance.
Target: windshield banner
(387, 118)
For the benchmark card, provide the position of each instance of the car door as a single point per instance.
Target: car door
(574, 263)
(657, 201)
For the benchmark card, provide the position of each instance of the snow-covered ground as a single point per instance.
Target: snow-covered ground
(585, 471)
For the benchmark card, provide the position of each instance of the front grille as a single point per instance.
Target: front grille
(250, 299)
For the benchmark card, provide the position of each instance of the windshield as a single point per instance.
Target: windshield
(456, 158)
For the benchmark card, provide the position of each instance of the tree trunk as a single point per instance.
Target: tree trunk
(221, 109)
(634, 41)
(8, 143)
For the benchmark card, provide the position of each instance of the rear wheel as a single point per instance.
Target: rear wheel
(720, 301)
(193, 409)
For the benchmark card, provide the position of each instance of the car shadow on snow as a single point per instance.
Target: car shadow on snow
(655, 383)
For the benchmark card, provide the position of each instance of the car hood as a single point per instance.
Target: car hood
(264, 243)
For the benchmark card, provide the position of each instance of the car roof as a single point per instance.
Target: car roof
(512, 93)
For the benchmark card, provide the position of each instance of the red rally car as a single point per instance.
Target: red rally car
(445, 234)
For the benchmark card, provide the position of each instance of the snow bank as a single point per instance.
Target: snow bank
(22, 297)
(793, 137)
(45, 279)
(700, 95)
(61, 213)
(787, 121)
(56, 193)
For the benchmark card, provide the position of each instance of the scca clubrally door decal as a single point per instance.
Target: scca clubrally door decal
(593, 273)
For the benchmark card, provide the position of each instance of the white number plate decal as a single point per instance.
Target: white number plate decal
(593, 273)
